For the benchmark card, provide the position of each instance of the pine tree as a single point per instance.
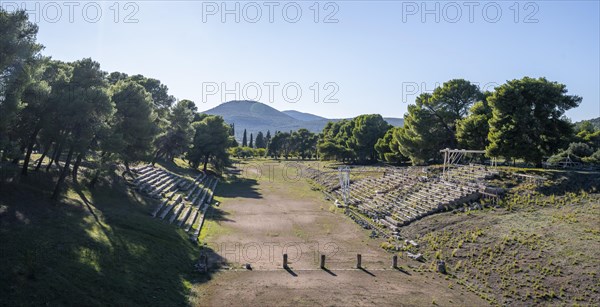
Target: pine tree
(210, 143)
(260, 140)
(527, 119)
(85, 114)
(244, 139)
(430, 124)
(251, 144)
(134, 121)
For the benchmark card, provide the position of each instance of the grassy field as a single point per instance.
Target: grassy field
(95, 247)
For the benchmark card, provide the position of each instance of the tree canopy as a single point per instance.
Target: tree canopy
(260, 141)
(210, 143)
(472, 131)
(18, 58)
(431, 123)
(134, 121)
(527, 119)
(387, 147)
(74, 112)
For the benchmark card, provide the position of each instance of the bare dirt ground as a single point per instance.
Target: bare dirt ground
(266, 213)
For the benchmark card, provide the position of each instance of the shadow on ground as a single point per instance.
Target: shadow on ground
(217, 214)
(571, 181)
(178, 169)
(238, 187)
(93, 248)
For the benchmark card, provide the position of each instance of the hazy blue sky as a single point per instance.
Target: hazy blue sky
(375, 59)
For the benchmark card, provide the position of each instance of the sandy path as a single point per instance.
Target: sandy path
(288, 217)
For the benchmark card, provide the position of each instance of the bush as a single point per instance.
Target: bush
(580, 150)
(247, 152)
(594, 158)
(260, 152)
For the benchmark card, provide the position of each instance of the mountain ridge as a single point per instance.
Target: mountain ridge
(255, 116)
(303, 116)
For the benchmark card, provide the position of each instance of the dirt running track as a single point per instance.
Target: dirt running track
(264, 215)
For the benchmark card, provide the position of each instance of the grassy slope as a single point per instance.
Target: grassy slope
(61, 253)
(539, 247)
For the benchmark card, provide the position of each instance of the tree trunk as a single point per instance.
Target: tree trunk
(155, 157)
(95, 179)
(127, 169)
(41, 160)
(80, 157)
(76, 166)
(63, 175)
(16, 160)
(55, 155)
(205, 163)
(29, 150)
(98, 171)
(57, 160)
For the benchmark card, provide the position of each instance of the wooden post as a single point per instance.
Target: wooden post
(441, 266)
(322, 261)
(285, 261)
(358, 261)
(395, 261)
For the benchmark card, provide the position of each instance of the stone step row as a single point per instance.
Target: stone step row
(170, 206)
(169, 186)
(196, 189)
(185, 210)
(143, 169)
(203, 211)
(408, 201)
(196, 180)
(194, 210)
(147, 182)
(155, 190)
(146, 175)
(196, 202)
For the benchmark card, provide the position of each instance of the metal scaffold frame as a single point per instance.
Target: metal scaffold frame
(453, 156)
(344, 174)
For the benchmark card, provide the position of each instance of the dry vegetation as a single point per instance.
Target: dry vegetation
(537, 247)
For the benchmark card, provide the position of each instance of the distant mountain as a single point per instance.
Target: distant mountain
(303, 116)
(255, 116)
(394, 121)
(248, 109)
